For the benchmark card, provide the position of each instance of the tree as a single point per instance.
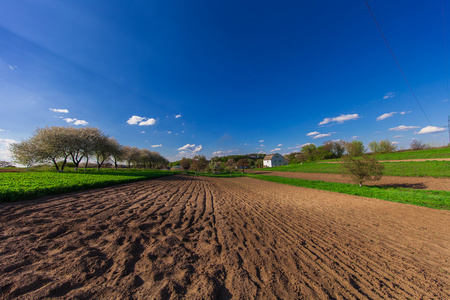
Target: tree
(185, 163)
(417, 145)
(384, 146)
(4, 164)
(374, 147)
(104, 148)
(25, 153)
(117, 152)
(387, 147)
(355, 148)
(309, 151)
(242, 164)
(52, 144)
(362, 169)
(259, 163)
(131, 155)
(199, 163)
(212, 166)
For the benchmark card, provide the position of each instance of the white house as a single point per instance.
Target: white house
(273, 160)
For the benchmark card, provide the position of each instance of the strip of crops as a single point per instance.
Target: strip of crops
(426, 198)
(410, 168)
(30, 185)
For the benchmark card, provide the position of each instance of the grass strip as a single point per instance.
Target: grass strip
(232, 175)
(404, 169)
(31, 185)
(426, 198)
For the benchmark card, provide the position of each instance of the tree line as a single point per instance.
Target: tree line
(58, 145)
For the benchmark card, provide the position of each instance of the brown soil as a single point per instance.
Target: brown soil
(212, 238)
(423, 183)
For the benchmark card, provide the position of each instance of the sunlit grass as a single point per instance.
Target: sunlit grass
(29, 185)
(426, 198)
(416, 169)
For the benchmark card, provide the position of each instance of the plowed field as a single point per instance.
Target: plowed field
(210, 238)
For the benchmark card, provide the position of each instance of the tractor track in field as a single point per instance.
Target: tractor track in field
(221, 238)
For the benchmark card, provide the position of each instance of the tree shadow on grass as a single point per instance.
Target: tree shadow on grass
(415, 186)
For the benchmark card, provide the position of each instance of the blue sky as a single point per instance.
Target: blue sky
(224, 77)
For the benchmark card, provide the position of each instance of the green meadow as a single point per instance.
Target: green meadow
(16, 186)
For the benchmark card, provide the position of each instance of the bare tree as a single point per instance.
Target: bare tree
(417, 145)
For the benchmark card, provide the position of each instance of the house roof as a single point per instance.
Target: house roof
(270, 156)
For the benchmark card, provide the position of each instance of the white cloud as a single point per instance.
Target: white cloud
(405, 112)
(313, 133)
(4, 148)
(280, 145)
(262, 145)
(191, 147)
(395, 143)
(134, 120)
(276, 149)
(178, 116)
(60, 110)
(75, 121)
(445, 100)
(398, 136)
(141, 121)
(261, 141)
(169, 132)
(142, 132)
(12, 67)
(340, 119)
(189, 150)
(2, 130)
(148, 122)
(156, 146)
(388, 95)
(355, 137)
(223, 153)
(386, 115)
(321, 135)
(403, 128)
(431, 129)
(81, 122)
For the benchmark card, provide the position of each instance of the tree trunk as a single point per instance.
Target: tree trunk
(56, 165)
(87, 162)
(63, 164)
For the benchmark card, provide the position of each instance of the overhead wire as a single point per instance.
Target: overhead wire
(446, 67)
(396, 61)
(445, 54)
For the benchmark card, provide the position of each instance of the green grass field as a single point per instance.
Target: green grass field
(15, 186)
(411, 168)
(410, 154)
(426, 198)
(420, 154)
